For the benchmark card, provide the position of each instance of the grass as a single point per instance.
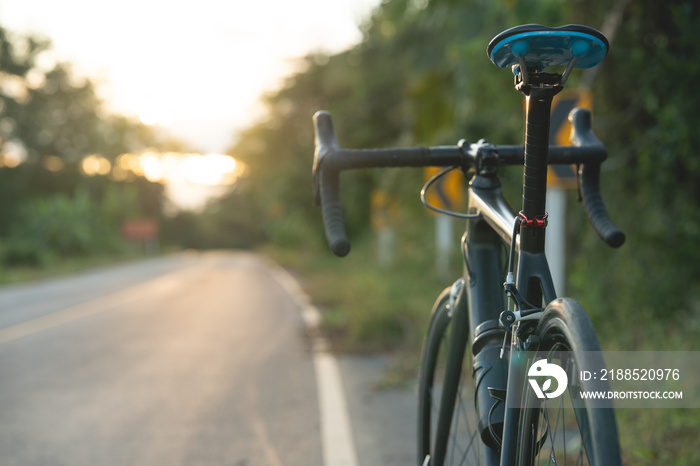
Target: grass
(68, 265)
(659, 436)
(367, 308)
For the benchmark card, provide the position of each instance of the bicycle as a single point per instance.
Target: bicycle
(513, 424)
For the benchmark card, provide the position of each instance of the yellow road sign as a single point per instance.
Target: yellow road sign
(447, 192)
(564, 176)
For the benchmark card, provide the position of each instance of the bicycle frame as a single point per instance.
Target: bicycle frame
(488, 235)
(483, 244)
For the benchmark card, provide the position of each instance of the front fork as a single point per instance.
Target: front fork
(517, 384)
(535, 283)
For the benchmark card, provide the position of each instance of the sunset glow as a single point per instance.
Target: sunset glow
(197, 69)
(209, 170)
(190, 179)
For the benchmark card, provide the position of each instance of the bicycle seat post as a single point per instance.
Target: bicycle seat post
(539, 90)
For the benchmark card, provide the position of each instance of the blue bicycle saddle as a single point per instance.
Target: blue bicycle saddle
(543, 46)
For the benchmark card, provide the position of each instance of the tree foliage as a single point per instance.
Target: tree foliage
(50, 119)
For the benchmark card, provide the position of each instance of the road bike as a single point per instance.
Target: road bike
(479, 400)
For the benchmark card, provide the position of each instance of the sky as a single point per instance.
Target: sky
(196, 68)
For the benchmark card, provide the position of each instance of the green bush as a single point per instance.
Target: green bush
(63, 226)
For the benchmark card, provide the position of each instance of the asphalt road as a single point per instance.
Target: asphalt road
(190, 359)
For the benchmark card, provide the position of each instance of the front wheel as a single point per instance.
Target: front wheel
(567, 429)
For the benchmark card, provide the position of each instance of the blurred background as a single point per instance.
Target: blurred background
(151, 126)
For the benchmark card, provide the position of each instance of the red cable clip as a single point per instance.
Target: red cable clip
(536, 222)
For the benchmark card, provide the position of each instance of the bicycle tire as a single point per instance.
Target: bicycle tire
(463, 445)
(565, 332)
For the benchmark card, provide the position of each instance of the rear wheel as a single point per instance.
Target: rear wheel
(448, 377)
(567, 430)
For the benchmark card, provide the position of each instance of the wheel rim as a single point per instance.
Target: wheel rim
(559, 432)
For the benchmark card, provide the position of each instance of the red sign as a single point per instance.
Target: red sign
(140, 230)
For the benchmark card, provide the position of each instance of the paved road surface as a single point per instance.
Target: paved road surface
(190, 359)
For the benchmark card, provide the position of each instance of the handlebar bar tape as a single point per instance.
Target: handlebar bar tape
(327, 185)
(589, 174)
(593, 203)
(330, 160)
(333, 213)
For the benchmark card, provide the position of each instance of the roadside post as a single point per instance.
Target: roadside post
(561, 178)
(383, 212)
(445, 194)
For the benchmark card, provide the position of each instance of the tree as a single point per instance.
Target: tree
(50, 120)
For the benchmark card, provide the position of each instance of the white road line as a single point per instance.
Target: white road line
(338, 444)
(337, 441)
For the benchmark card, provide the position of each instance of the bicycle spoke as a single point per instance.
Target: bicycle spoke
(473, 433)
(463, 442)
(560, 419)
(556, 428)
(580, 457)
(552, 435)
(455, 433)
